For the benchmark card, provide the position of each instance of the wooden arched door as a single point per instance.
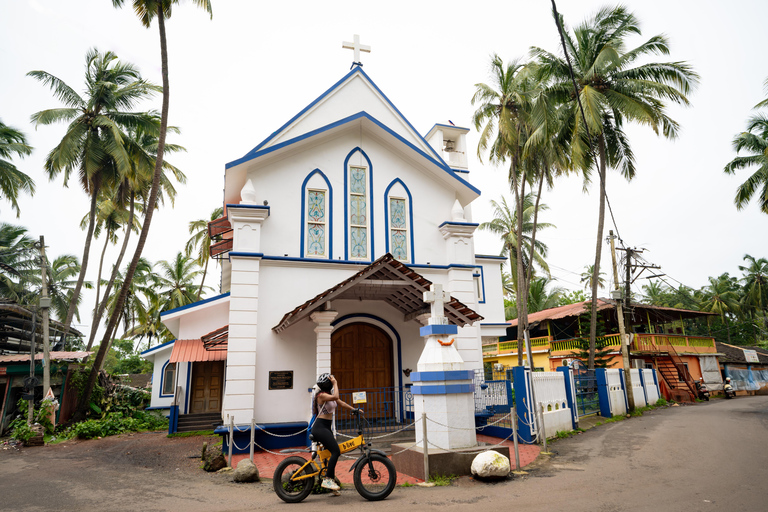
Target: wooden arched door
(361, 360)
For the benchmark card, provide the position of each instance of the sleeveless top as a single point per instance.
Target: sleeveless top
(327, 408)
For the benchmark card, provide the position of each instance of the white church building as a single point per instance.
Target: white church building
(334, 226)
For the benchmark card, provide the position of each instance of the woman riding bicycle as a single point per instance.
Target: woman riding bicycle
(324, 404)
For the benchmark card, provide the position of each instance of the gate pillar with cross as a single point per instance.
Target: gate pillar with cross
(442, 386)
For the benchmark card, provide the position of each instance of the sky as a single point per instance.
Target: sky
(236, 78)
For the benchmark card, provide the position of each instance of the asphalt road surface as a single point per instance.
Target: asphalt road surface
(705, 457)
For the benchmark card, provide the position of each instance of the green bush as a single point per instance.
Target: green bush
(116, 423)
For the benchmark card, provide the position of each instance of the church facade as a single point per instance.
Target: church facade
(333, 228)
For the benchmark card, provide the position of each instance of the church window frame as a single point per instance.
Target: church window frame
(316, 182)
(398, 227)
(398, 190)
(317, 223)
(359, 213)
(168, 379)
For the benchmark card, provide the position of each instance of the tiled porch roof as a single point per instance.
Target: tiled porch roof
(193, 351)
(388, 280)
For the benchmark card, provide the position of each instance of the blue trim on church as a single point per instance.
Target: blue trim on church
(342, 122)
(329, 91)
(435, 329)
(194, 304)
(329, 213)
(369, 201)
(411, 255)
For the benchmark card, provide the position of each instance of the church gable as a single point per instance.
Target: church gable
(353, 95)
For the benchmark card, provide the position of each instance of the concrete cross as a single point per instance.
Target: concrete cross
(357, 47)
(437, 297)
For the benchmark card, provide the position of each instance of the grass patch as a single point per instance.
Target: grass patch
(406, 484)
(442, 480)
(192, 434)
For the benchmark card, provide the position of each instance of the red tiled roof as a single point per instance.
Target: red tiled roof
(55, 356)
(193, 351)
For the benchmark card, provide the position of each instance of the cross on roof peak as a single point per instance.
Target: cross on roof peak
(357, 47)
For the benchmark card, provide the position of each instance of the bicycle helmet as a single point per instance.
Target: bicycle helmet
(324, 382)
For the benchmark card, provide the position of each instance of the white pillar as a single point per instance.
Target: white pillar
(323, 330)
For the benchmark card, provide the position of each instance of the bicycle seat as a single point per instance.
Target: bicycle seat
(311, 437)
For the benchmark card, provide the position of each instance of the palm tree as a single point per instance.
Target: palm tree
(62, 278)
(18, 266)
(177, 281)
(504, 224)
(146, 10)
(12, 180)
(539, 298)
(756, 286)
(755, 142)
(588, 275)
(720, 297)
(613, 92)
(200, 242)
(655, 293)
(94, 142)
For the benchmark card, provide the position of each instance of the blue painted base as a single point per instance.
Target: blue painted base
(242, 436)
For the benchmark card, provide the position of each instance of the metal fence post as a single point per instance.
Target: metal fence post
(253, 436)
(426, 450)
(514, 438)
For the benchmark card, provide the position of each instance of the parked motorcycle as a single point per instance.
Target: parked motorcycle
(728, 388)
(702, 390)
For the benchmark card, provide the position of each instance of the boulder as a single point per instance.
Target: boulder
(214, 462)
(246, 472)
(490, 464)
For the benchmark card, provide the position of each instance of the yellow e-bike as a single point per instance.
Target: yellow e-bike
(374, 474)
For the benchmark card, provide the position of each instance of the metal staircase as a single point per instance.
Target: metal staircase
(675, 375)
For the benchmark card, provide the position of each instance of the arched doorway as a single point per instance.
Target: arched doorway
(361, 360)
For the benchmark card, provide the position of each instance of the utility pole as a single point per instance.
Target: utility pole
(622, 327)
(45, 304)
(33, 341)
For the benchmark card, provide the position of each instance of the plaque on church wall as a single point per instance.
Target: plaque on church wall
(281, 380)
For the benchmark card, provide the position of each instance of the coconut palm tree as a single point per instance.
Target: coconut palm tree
(755, 142)
(588, 275)
(62, 278)
(614, 91)
(146, 10)
(93, 144)
(720, 296)
(12, 180)
(200, 243)
(541, 298)
(18, 265)
(177, 281)
(756, 286)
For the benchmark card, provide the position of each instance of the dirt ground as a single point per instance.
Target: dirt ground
(706, 457)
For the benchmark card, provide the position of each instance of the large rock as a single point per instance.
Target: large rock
(214, 462)
(246, 472)
(490, 464)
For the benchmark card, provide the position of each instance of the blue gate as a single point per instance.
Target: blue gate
(585, 383)
(493, 401)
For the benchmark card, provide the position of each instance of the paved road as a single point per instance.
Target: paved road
(707, 457)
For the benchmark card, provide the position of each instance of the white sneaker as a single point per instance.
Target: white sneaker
(328, 483)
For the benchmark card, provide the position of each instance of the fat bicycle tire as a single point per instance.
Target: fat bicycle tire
(375, 478)
(292, 492)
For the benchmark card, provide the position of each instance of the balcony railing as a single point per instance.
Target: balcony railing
(572, 345)
(510, 347)
(681, 344)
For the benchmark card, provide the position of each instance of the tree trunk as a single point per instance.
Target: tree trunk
(598, 254)
(202, 283)
(521, 297)
(86, 395)
(112, 277)
(84, 262)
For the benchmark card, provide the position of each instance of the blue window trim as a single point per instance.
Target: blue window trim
(329, 210)
(182, 308)
(187, 393)
(162, 379)
(345, 78)
(396, 373)
(369, 201)
(411, 257)
(360, 115)
(482, 285)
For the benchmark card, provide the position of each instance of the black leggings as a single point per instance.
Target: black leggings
(322, 433)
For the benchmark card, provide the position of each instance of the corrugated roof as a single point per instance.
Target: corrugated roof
(55, 356)
(735, 353)
(580, 308)
(193, 351)
(388, 280)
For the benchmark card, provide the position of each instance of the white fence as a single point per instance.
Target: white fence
(637, 388)
(651, 388)
(550, 392)
(616, 392)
